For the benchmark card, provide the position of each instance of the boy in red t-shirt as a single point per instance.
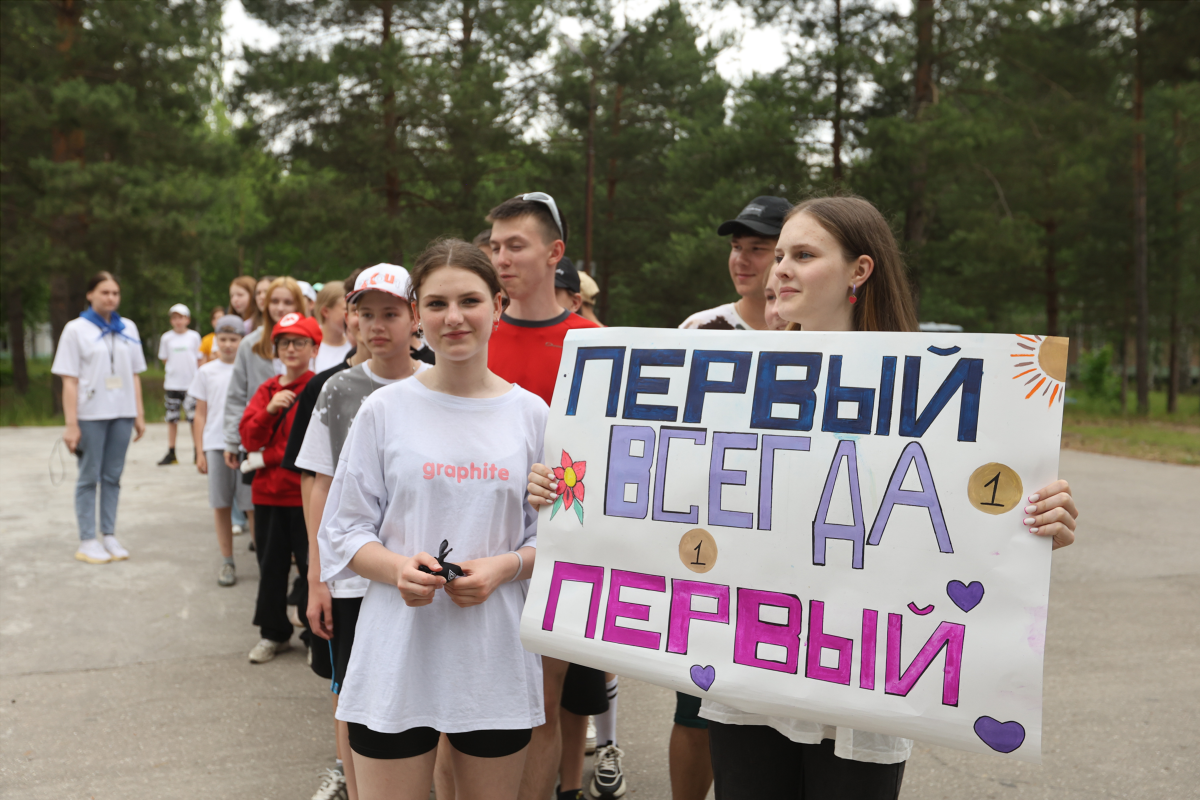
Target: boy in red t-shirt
(527, 242)
(278, 508)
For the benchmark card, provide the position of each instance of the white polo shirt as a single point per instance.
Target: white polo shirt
(105, 365)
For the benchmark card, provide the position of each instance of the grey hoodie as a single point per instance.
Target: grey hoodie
(249, 372)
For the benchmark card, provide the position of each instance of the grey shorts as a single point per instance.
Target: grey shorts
(179, 404)
(224, 483)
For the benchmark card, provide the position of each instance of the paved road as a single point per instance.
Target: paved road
(130, 680)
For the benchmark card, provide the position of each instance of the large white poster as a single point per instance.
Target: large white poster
(822, 526)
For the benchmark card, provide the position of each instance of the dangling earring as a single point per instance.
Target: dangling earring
(853, 289)
(420, 332)
(495, 324)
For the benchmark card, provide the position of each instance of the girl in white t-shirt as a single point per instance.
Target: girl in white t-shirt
(441, 456)
(100, 359)
(838, 268)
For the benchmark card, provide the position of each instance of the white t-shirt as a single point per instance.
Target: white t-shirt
(330, 355)
(877, 748)
(337, 405)
(210, 385)
(449, 668)
(727, 312)
(181, 354)
(104, 364)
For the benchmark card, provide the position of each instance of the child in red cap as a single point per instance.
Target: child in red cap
(279, 510)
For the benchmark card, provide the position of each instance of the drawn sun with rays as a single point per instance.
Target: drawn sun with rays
(1045, 360)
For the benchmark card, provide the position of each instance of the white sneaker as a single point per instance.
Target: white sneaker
(293, 614)
(91, 551)
(266, 650)
(333, 786)
(608, 779)
(238, 530)
(114, 548)
(590, 745)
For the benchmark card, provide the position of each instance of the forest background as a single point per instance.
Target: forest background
(1038, 160)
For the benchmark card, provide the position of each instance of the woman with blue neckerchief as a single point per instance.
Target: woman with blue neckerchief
(99, 359)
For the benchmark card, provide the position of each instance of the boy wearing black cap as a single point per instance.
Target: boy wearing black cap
(751, 255)
(567, 289)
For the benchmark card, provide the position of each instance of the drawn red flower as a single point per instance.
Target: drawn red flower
(570, 484)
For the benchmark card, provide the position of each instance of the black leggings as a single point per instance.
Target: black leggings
(280, 535)
(755, 761)
(419, 741)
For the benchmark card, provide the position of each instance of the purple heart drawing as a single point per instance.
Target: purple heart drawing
(1003, 737)
(965, 597)
(704, 676)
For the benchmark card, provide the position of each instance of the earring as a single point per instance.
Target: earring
(420, 332)
(496, 324)
(853, 289)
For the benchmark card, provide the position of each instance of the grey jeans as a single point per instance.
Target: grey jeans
(103, 442)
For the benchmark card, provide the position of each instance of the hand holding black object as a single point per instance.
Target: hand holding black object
(449, 571)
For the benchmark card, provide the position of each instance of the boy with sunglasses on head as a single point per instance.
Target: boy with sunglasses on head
(528, 239)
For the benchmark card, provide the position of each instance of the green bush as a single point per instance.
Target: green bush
(1097, 377)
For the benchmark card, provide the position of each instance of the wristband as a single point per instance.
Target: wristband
(520, 566)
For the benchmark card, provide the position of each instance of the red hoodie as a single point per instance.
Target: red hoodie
(261, 430)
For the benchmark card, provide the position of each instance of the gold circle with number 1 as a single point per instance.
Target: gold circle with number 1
(698, 550)
(995, 489)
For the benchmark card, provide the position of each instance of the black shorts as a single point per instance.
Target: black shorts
(584, 692)
(345, 619)
(419, 741)
(754, 761)
(687, 712)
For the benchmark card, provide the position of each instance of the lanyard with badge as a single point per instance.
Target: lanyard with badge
(113, 382)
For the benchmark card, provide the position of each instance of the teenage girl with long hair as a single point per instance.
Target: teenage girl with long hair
(830, 250)
(440, 457)
(241, 301)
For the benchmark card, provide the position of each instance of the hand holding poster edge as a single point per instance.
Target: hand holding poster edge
(632, 366)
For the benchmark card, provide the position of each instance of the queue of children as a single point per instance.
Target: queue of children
(399, 557)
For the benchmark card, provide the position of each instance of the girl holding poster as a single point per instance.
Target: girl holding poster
(838, 268)
(443, 654)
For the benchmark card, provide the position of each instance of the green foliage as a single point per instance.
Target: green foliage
(1096, 374)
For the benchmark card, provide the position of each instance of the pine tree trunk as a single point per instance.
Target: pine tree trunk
(915, 216)
(1140, 245)
(839, 90)
(1173, 350)
(612, 195)
(67, 231)
(1051, 269)
(14, 310)
(391, 176)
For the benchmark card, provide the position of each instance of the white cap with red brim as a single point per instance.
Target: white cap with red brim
(388, 278)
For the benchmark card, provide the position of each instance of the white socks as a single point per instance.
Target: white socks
(606, 723)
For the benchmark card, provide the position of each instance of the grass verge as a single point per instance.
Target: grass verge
(1100, 427)
(34, 408)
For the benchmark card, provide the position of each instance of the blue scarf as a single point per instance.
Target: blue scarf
(115, 325)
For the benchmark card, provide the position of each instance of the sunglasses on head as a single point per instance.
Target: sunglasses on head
(548, 202)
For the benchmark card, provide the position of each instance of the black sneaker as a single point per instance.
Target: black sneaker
(168, 459)
(608, 781)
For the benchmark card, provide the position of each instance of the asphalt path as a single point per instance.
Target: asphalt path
(130, 680)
